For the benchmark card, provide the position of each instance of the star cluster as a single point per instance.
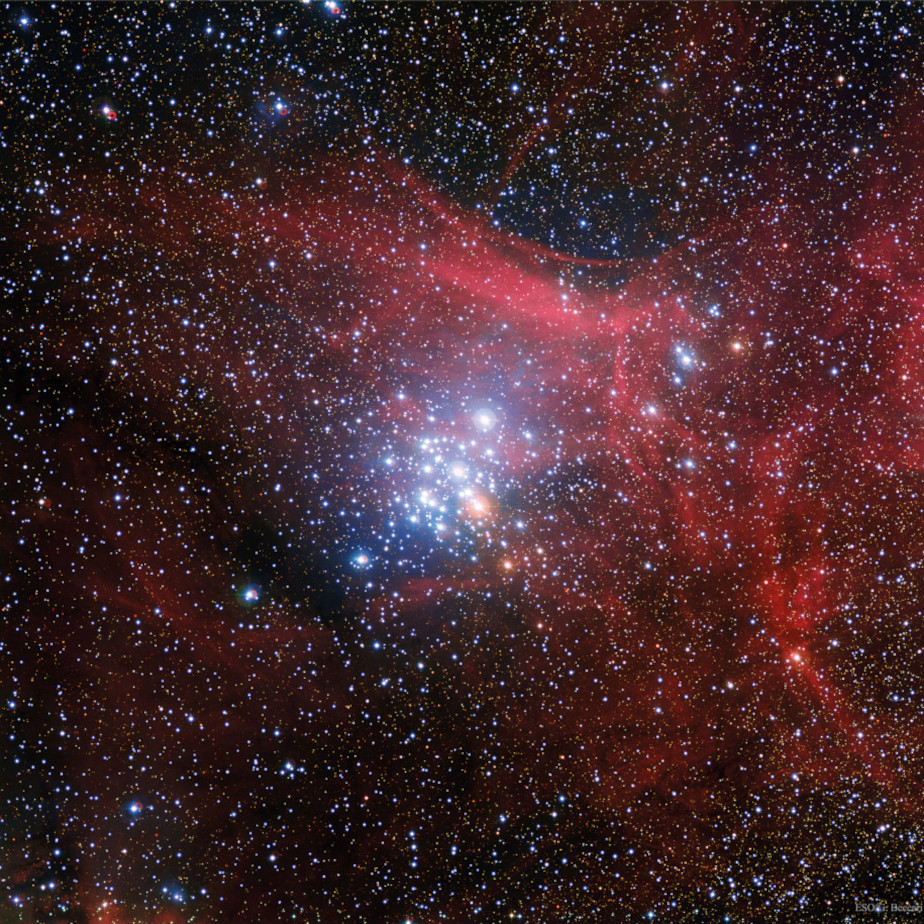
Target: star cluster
(461, 462)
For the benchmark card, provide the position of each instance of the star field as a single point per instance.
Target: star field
(461, 462)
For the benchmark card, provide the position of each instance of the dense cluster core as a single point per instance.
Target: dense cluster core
(461, 463)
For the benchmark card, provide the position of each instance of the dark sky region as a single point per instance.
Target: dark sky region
(461, 463)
